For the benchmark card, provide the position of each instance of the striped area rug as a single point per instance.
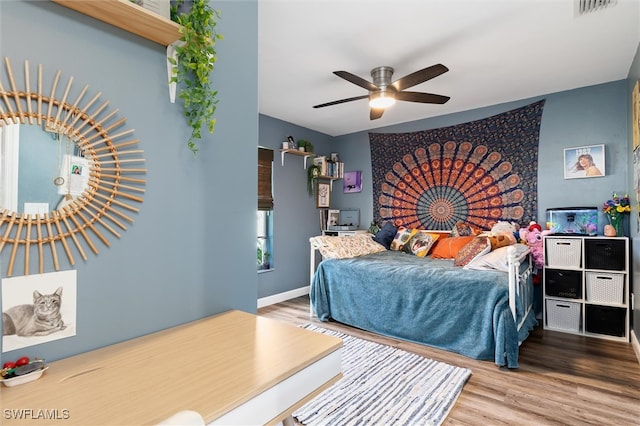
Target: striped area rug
(383, 385)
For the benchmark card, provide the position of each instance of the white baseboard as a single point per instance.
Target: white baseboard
(636, 344)
(281, 297)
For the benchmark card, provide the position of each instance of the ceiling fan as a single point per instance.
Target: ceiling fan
(383, 93)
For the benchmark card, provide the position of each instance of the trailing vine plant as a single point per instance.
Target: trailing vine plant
(196, 56)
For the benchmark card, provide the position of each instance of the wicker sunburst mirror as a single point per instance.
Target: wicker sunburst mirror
(112, 185)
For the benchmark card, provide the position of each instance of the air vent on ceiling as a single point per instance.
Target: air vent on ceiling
(586, 6)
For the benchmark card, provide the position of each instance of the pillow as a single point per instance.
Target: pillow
(420, 243)
(385, 235)
(461, 229)
(402, 237)
(345, 247)
(477, 247)
(448, 248)
(496, 259)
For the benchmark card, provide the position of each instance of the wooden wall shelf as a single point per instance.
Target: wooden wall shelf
(304, 154)
(129, 17)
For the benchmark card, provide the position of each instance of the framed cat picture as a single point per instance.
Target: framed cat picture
(38, 308)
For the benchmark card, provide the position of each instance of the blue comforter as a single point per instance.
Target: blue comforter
(423, 300)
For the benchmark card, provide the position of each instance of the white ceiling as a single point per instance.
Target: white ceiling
(496, 51)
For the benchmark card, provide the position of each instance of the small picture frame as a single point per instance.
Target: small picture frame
(352, 182)
(584, 162)
(292, 143)
(333, 218)
(335, 157)
(323, 195)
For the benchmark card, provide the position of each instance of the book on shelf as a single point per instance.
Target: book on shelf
(329, 168)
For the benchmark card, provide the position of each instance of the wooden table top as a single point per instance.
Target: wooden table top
(210, 365)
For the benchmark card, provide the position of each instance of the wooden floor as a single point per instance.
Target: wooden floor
(563, 379)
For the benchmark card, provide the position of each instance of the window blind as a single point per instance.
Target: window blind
(265, 195)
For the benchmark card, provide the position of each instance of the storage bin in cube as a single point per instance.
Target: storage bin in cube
(603, 287)
(603, 253)
(563, 252)
(563, 283)
(607, 320)
(563, 315)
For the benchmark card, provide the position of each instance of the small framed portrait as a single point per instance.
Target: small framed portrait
(292, 143)
(352, 182)
(333, 218)
(323, 195)
(584, 162)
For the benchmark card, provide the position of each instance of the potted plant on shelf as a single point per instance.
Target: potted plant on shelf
(305, 146)
(313, 171)
(194, 63)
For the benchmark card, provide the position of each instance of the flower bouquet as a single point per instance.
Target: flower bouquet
(615, 208)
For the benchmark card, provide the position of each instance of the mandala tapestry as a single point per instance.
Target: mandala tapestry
(479, 172)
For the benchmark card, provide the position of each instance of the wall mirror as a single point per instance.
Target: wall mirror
(69, 172)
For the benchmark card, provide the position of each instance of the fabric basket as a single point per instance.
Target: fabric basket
(604, 287)
(563, 315)
(563, 252)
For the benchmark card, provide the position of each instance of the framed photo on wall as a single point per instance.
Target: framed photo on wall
(352, 182)
(323, 195)
(584, 162)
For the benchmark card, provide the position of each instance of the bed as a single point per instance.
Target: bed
(483, 313)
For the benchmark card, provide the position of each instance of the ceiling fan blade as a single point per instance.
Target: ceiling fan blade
(420, 76)
(375, 113)
(358, 81)
(425, 98)
(341, 101)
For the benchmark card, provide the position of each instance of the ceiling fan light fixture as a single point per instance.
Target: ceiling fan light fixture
(381, 100)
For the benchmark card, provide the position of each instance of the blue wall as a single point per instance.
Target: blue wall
(586, 116)
(190, 252)
(295, 215)
(634, 76)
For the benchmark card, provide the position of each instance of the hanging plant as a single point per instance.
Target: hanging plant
(196, 56)
(312, 172)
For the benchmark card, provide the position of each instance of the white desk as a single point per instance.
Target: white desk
(232, 368)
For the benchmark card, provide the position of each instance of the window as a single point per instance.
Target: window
(264, 252)
(264, 247)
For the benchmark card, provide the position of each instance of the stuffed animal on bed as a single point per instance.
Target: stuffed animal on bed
(532, 236)
(502, 234)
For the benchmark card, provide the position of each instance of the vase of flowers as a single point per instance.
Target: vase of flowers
(615, 209)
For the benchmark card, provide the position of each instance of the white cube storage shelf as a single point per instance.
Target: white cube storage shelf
(586, 286)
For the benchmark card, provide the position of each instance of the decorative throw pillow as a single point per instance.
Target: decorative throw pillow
(477, 247)
(345, 247)
(402, 237)
(496, 259)
(386, 234)
(461, 229)
(448, 248)
(420, 243)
